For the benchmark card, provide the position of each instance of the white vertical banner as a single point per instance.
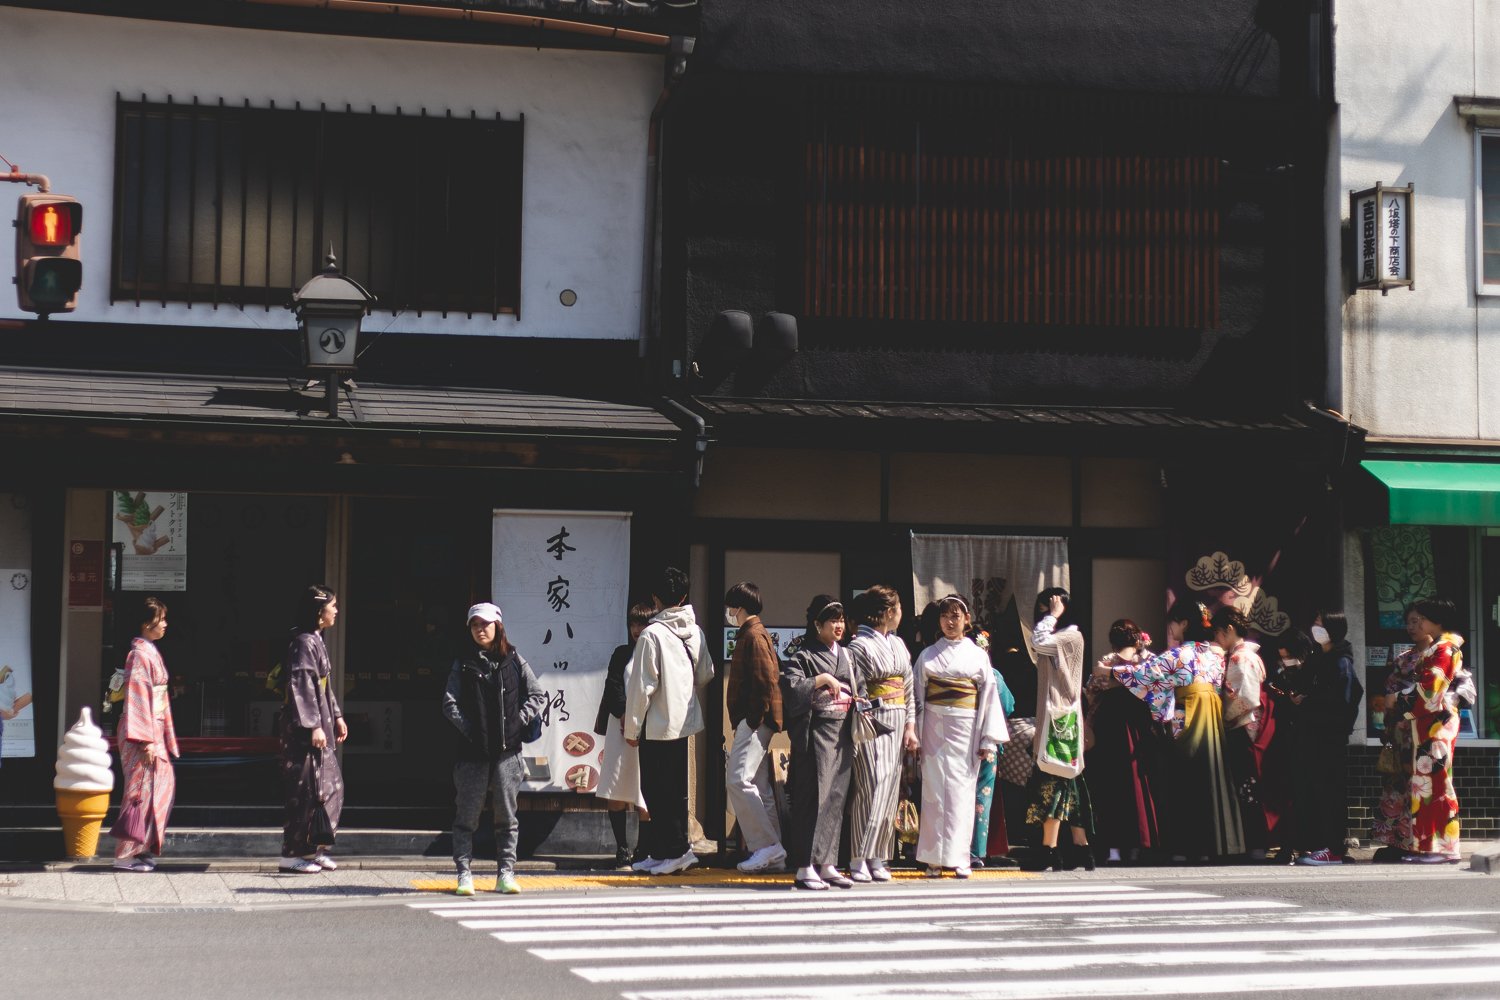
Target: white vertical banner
(17, 713)
(561, 579)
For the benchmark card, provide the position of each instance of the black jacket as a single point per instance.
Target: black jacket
(612, 703)
(491, 704)
(1331, 694)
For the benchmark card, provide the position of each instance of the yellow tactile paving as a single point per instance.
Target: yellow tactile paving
(696, 877)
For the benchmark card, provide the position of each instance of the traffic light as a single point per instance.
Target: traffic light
(49, 270)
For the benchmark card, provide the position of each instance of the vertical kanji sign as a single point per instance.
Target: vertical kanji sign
(561, 580)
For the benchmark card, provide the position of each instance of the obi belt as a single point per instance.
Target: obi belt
(890, 690)
(952, 692)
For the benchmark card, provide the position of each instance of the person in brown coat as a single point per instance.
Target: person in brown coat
(753, 690)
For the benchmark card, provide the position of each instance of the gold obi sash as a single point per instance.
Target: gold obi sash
(890, 690)
(952, 692)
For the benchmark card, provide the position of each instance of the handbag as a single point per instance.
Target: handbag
(864, 725)
(1386, 762)
(907, 822)
(320, 831)
(1062, 751)
(131, 823)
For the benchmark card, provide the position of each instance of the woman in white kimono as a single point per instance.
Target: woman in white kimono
(959, 724)
(882, 673)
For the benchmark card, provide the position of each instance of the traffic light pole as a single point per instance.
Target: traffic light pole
(38, 181)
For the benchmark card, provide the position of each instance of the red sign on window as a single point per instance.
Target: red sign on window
(85, 574)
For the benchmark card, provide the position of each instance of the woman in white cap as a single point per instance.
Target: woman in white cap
(491, 698)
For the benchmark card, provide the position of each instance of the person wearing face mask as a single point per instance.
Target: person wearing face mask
(1327, 697)
(753, 691)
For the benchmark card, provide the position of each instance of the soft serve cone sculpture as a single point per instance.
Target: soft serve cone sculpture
(83, 783)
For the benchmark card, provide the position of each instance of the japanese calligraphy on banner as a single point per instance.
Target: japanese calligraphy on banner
(153, 529)
(561, 579)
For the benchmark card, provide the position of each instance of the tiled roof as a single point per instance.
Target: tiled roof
(214, 399)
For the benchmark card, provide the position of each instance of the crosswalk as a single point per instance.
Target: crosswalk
(992, 939)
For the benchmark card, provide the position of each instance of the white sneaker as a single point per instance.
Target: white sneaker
(645, 865)
(771, 858)
(676, 865)
(300, 866)
(326, 863)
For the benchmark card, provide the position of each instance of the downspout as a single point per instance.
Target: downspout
(700, 436)
(681, 48)
(650, 329)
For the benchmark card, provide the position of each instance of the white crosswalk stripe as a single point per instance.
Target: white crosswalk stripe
(1007, 941)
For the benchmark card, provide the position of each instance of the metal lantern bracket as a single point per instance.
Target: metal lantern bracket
(329, 310)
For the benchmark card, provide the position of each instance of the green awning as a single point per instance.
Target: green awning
(1459, 493)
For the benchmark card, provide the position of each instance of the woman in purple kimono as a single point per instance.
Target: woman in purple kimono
(309, 715)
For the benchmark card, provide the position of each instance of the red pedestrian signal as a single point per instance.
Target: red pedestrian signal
(49, 268)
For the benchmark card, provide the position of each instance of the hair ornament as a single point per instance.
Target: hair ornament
(1208, 618)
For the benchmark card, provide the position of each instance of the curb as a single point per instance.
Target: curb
(1486, 860)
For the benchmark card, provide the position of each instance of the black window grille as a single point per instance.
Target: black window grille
(237, 205)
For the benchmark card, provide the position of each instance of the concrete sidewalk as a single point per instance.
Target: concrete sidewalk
(255, 883)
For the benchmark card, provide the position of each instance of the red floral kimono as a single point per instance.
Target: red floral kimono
(1430, 709)
(147, 721)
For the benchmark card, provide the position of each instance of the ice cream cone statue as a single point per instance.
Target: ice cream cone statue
(83, 783)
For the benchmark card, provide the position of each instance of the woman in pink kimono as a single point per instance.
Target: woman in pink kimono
(147, 742)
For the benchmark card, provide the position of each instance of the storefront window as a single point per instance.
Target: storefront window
(1407, 562)
(414, 569)
(247, 557)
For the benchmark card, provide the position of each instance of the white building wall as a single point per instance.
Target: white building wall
(1422, 363)
(585, 145)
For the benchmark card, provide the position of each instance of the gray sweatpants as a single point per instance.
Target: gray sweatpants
(474, 779)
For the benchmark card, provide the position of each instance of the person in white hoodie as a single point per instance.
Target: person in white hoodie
(671, 664)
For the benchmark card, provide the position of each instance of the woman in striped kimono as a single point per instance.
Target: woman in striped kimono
(815, 697)
(1181, 687)
(960, 725)
(882, 670)
(147, 741)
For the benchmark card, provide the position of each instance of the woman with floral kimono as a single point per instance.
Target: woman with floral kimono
(1124, 760)
(882, 671)
(1181, 688)
(991, 843)
(1059, 794)
(1249, 721)
(959, 725)
(1423, 727)
(310, 714)
(147, 741)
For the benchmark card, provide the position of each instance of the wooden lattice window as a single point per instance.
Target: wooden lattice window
(899, 224)
(238, 205)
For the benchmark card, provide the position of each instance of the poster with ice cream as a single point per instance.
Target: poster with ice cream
(17, 715)
(152, 527)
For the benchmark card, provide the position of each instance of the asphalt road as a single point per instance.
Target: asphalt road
(333, 949)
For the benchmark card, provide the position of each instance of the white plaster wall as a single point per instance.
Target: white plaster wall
(1422, 363)
(585, 147)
